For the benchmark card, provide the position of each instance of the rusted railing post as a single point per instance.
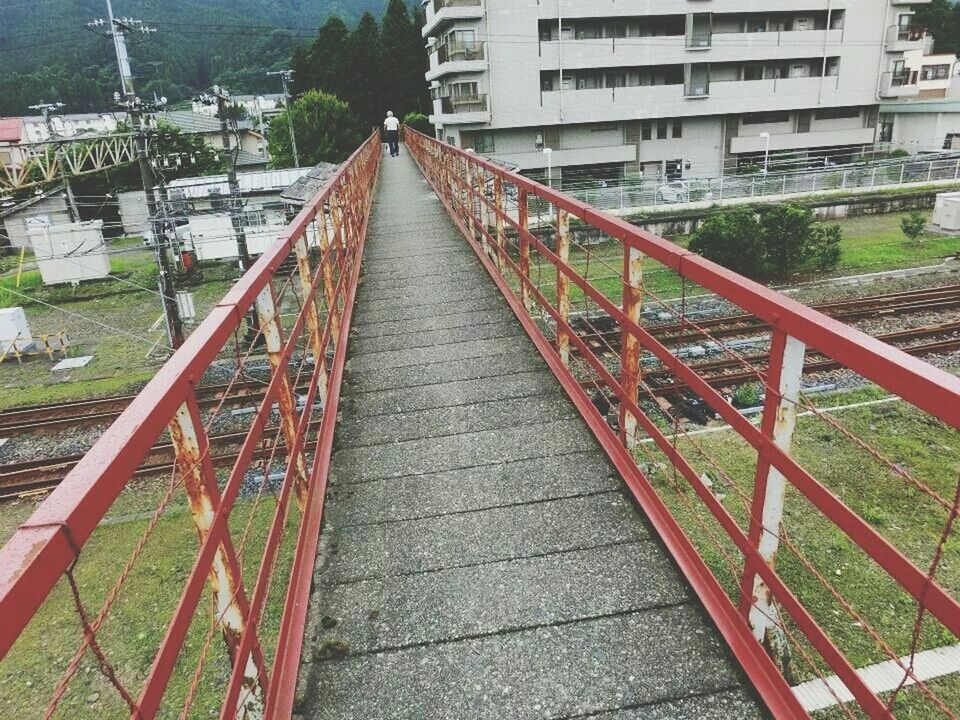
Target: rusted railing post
(326, 265)
(468, 201)
(312, 317)
(630, 352)
(563, 285)
(784, 378)
(523, 220)
(286, 400)
(195, 465)
(500, 210)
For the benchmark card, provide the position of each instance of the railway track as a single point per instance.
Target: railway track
(902, 303)
(35, 476)
(40, 419)
(51, 418)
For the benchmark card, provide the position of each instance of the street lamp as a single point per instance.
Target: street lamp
(766, 151)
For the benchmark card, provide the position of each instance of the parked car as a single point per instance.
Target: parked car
(677, 191)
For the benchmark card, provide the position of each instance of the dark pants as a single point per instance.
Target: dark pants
(393, 140)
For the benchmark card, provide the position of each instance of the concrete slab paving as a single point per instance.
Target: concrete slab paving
(480, 557)
(470, 489)
(517, 594)
(639, 658)
(516, 383)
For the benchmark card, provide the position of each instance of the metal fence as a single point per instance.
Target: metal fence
(779, 528)
(645, 194)
(239, 511)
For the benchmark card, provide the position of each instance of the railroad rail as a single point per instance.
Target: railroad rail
(39, 419)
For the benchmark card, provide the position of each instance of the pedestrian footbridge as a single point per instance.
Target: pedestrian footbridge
(473, 486)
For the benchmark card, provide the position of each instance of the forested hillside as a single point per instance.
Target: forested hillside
(47, 54)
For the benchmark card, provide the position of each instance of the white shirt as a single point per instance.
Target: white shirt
(391, 123)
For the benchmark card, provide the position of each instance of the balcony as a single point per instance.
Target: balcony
(904, 38)
(897, 85)
(680, 49)
(443, 11)
(795, 141)
(723, 97)
(602, 8)
(458, 57)
(696, 89)
(462, 110)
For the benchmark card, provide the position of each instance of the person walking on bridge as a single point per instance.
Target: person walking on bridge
(392, 127)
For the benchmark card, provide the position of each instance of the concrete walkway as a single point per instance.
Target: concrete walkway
(480, 558)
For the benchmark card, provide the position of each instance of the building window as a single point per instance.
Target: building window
(886, 131)
(764, 118)
(646, 130)
(753, 72)
(836, 113)
(935, 72)
(678, 128)
(661, 129)
(674, 169)
(483, 142)
(604, 127)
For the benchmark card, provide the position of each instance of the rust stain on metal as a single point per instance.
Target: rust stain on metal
(630, 354)
(189, 441)
(312, 317)
(329, 286)
(501, 223)
(273, 337)
(563, 284)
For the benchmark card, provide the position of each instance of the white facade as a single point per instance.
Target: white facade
(681, 88)
(71, 252)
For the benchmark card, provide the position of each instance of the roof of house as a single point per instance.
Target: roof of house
(190, 122)
(10, 130)
(304, 189)
(24, 204)
(245, 158)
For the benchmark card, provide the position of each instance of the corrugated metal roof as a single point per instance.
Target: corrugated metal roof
(310, 184)
(10, 130)
(190, 122)
(271, 180)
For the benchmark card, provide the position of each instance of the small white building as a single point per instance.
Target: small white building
(71, 252)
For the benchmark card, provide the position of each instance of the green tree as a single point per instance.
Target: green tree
(367, 72)
(912, 226)
(794, 241)
(324, 66)
(942, 19)
(786, 240)
(326, 130)
(405, 57)
(419, 122)
(732, 238)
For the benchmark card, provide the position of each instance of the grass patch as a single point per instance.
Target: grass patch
(68, 391)
(136, 625)
(909, 520)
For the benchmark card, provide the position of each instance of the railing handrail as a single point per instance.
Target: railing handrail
(911, 377)
(926, 387)
(45, 546)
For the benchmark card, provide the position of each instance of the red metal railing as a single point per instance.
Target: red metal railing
(284, 325)
(762, 522)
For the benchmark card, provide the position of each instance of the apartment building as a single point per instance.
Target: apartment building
(668, 89)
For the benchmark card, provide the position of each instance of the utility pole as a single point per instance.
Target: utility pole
(286, 76)
(128, 100)
(45, 109)
(235, 203)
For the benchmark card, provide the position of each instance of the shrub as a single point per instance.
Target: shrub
(786, 240)
(419, 122)
(747, 395)
(732, 239)
(912, 226)
(899, 153)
